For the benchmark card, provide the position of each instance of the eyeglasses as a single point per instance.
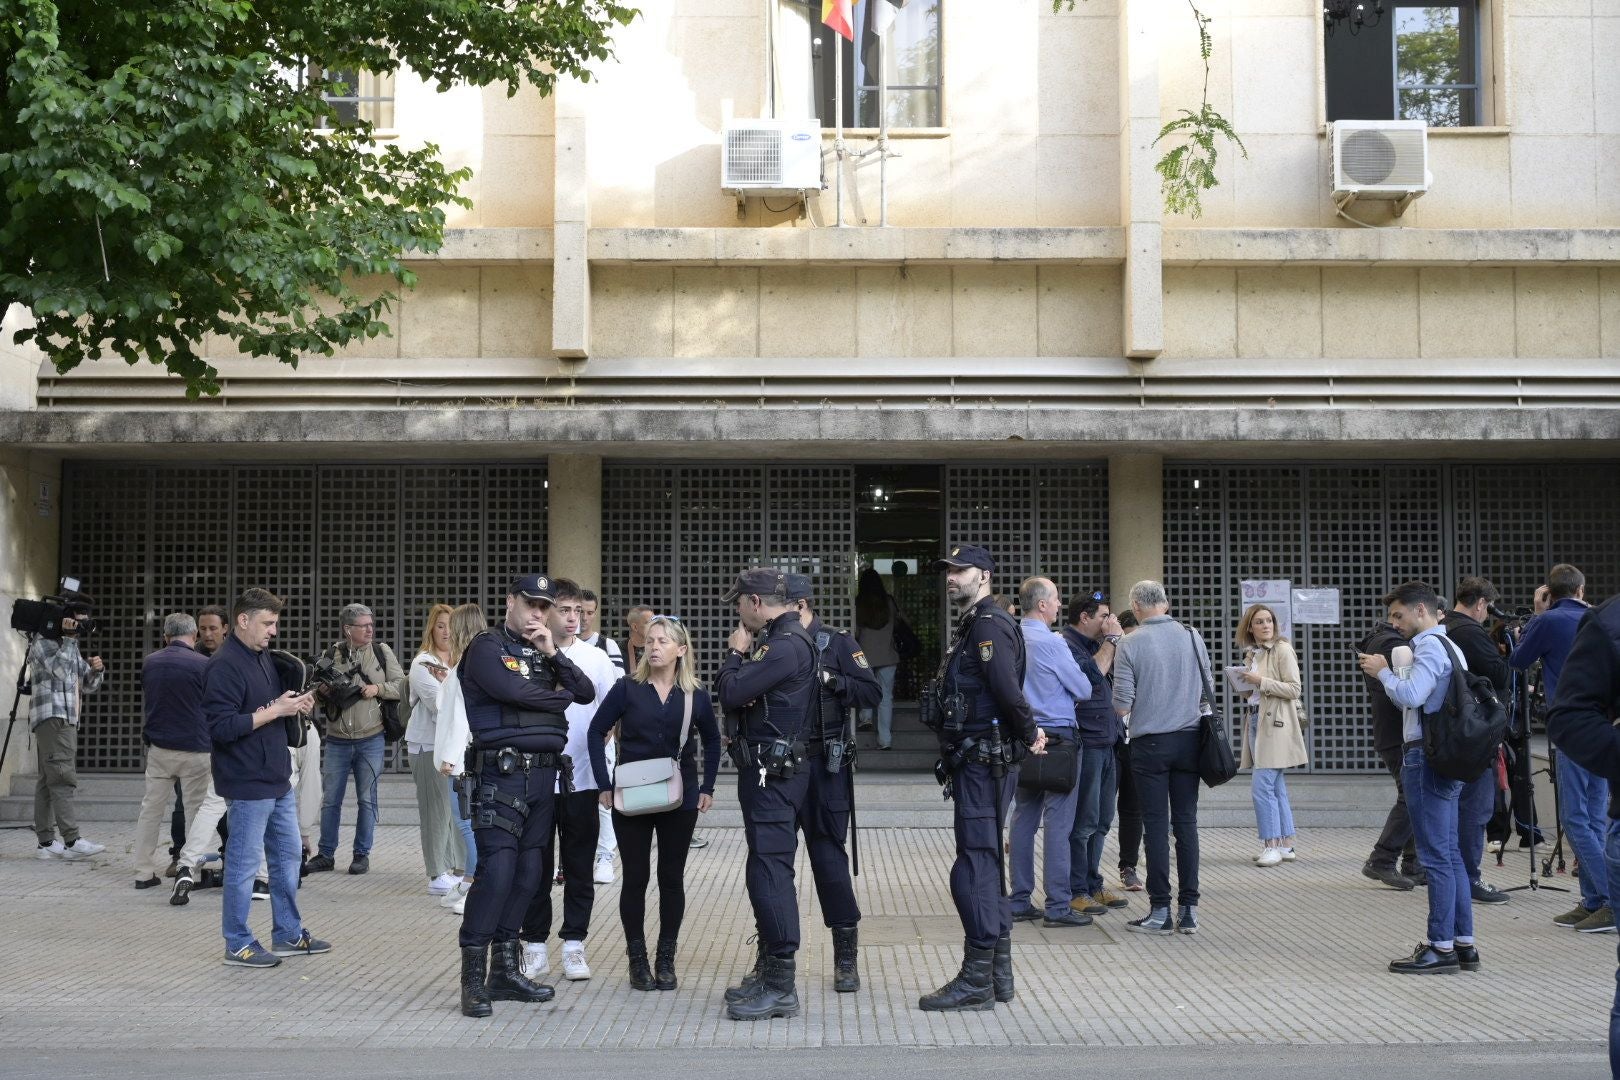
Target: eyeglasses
(664, 618)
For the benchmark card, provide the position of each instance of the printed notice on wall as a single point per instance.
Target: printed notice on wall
(1316, 606)
(1274, 595)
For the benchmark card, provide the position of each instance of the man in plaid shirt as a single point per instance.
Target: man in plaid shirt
(61, 675)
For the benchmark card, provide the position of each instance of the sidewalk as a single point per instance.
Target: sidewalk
(1289, 956)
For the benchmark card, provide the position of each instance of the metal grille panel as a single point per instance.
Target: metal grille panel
(720, 530)
(515, 538)
(812, 532)
(1072, 540)
(638, 544)
(994, 507)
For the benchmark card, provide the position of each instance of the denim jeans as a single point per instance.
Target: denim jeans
(1093, 817)
(1053, 812)
(1272, 813)
(1432, 800)
(1583, 802)
(267, 827)
(885, 706)
(1475, 806)
(363, 758)
(1612, 864)
(1166, 768)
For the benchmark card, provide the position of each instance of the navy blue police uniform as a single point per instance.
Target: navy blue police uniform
(769, 697)
(984, 674)
(515, 696)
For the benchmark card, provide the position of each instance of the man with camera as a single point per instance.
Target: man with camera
(176, 736)
(61, 676)
(370, 680)
(247, 709)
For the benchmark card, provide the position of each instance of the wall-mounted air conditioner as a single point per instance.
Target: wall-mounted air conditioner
(771, 157)
(1380, 159)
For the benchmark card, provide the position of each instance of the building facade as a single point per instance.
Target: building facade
(617, 370)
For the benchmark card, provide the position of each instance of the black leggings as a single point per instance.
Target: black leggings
(635, 835)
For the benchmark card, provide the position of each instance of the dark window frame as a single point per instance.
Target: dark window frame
(822, 67)
(1363, 71)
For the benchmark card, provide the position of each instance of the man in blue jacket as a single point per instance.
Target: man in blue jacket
(1583, 798)
(1581, 725)
(244, 705)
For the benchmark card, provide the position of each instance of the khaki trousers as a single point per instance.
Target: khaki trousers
(57, 743)
(163, 768)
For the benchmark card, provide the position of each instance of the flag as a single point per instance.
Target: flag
(839, 15)
(884, 13)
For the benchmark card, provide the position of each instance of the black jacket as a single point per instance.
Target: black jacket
(1382, 639)
(1478, 650)
(1581, 721)
(779, 675)
(249, 762)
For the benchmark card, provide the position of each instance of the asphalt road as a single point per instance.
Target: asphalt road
(1507, 1061)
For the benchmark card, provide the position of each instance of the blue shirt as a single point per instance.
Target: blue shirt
(1100, 725)
(172, 691)
(1053, 682)
(1548, 637)
(1425, 691)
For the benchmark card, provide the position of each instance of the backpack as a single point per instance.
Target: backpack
(1461, 737)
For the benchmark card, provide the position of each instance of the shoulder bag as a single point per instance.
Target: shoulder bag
(1216, 763)
(653, 785)
(1057, 770)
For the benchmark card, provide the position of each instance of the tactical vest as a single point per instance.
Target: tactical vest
(980, 701)
(829, 711)
(791, 714)
(495, 724)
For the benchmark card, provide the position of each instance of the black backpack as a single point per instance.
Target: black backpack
(1461, 738)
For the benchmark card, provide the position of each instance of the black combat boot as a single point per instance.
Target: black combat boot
(664, 965)
(846, 977)
(750, 981)
(474, 964)
(776, 995)
(641, 976)
(1001, 968)
(970, 991)
(506, 980)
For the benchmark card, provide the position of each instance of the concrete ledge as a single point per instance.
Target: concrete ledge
(793, 247)
(1392, 246)
(490, 247)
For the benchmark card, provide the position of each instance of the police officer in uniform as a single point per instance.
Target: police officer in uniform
(977, 707)
(843, 681)
(516, 683)
(769, 695)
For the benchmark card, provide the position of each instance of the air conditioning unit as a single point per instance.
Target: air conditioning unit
(771, 157)
(1380, 159)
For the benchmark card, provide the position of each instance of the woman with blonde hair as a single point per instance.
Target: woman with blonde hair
(452, 738)
(442, 850)
(1273, 728)
(656, 709)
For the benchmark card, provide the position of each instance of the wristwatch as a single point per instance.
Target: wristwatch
(1111, 639)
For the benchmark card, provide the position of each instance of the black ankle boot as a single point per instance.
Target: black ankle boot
(846, 976)
(506, 979)
(750, 981)
(664, 965)
(641, 976)
(970, 991)
(1001, 974)
(474, 967)
(776, 995)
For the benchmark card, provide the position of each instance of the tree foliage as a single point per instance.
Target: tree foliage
(162, 179)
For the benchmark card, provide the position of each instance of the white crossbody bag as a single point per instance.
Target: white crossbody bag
(652, 785)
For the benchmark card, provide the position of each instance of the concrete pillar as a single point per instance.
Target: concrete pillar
(30, 537)
(574, 518)
(1135, 523)
(1141, 209)
(570, 267)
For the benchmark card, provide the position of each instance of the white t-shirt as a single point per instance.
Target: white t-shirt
(598, 667)
(607, 645)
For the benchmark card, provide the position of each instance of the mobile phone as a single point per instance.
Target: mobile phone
(1355, 652)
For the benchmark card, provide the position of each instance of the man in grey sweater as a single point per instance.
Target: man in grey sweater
(1160, 683)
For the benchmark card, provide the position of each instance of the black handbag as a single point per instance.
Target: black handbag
(1216, 763)
(1057, 770)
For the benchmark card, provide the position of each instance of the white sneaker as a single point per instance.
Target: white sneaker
(82, 849)
(53, 850)
(574, 965)
(1494, 846)
(460, 906)
(1288, 854)
(604, 870)
(442, 884)
(456, 893)
(536, 961)
(1269, 857)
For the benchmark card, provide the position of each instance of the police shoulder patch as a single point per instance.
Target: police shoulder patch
(860, 658)
(511, 662)
(759, 653)
(987, 649)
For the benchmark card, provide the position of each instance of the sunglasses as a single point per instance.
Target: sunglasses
(664, 618)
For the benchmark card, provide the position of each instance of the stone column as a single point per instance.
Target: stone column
(30, 535)
(570, 267)
(574, 518)
(1135, 524)
(1141, 208)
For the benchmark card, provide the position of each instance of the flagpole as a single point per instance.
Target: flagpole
(838, 120)
(883, 128)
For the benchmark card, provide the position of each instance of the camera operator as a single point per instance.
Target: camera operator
(176, 736)
(245, 706)
(354, 733)
(61, 676)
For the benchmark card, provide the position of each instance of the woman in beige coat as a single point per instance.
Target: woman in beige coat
(1273, 738)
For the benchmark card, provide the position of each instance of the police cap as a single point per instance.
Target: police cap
(961, 555)
(533, 587)
(799, 587)
(759, 581)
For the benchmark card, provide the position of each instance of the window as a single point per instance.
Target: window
(354, 96)
(804, 62)
(1421, 62)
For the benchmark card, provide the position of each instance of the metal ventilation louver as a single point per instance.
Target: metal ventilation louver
(765, 157)
(1380, 158)
(753, 157)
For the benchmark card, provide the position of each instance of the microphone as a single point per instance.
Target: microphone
(1400, 659)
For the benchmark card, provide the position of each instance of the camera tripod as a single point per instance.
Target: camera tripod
(1519, 710)
(16, 700)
